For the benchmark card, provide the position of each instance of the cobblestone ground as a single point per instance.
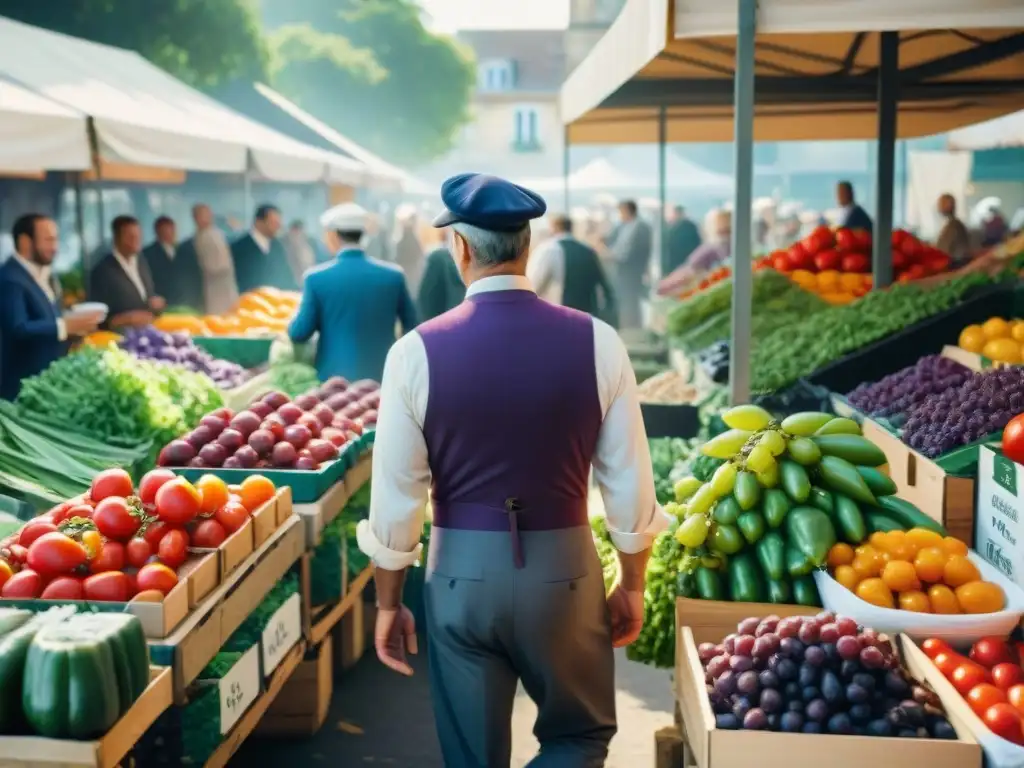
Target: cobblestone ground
(379, 718)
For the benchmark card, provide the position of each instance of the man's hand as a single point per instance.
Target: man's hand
(81, 325)
(393, 636)
(627, 615)
(157, 303)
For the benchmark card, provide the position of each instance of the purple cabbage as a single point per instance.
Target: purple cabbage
(177, 348)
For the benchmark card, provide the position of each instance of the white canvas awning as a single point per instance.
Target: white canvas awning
(617, 173)
(381, 174)
(37, 134)
(682, 61)
(143, 116)
(1001, 133)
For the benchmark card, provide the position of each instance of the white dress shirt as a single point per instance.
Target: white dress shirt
(169, 249)
(546, 269)
(401, 472)
(130, 265)
(262, 242)
(42, 276)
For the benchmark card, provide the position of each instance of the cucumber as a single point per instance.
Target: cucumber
(709, 584)
(779, 591)
(878, 482)
(854, 448)
(795, 482)
(849, 520)
(776, 506)
(842, 476)
(877, 522)
(805, 591)
(908, 516)
(823, 500)
(810, 530)
(797, 563)
(745, 580)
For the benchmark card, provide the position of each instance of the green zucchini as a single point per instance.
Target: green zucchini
(878, 482)
(909, 516)
(878, 522)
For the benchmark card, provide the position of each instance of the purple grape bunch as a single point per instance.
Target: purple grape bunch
(984, 403)
(816, 674)
(898, 393)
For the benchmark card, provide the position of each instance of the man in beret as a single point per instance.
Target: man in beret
(498, 409)
(354, 302)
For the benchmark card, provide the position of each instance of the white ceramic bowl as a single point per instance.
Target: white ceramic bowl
(90, 308)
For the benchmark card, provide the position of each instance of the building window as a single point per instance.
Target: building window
(526, 128)
(496, 75)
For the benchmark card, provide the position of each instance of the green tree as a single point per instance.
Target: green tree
(205, 43)
(371, 70)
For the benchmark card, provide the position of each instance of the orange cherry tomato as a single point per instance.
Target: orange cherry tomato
(932, 647)
(1005, 676)
(983, 696)
(967, 676)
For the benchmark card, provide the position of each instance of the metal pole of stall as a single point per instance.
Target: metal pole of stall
(743, 148)
(888, 103)
(565, 168)
(80, 230)
(662, 184)
(246, 194)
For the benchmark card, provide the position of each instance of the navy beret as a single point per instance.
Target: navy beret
(489, 203)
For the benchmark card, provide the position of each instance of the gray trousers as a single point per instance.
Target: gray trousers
(490, 625)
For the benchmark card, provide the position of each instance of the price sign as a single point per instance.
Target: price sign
(999, 522)
(239, 688)
(282, 633)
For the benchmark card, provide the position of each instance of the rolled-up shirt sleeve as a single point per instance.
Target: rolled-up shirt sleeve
(622, 461)
(400, 480)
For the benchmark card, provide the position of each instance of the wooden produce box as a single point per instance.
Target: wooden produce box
(711, 620)
(350, 636)
(946, 499)
(318, 514)
(713, 748)
(107, 752)
(301, 708)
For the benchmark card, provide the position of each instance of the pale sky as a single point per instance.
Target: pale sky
(450, 15)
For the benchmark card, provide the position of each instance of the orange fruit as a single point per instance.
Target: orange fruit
(865, 549)
(996, 328)
(930, 564)
(878, 540)
(923, 538)
(943, 600)
(916, 601)
(867, 566)
(256, 491)
(959, 570)
(900, 576)
(875, 591)
(213, 492)
(840, 554)
(1017, 331)
(980, 597)
(954, 546)
(972, 338)
(848, 577)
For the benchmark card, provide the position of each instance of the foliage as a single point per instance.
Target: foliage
(203, 43)
(371, 70)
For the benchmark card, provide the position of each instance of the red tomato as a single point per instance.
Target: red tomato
(904, 277)
(1006, 675)
(947, 662)
(64, 588)
(984, 696)
(822, 239)
(178, 501)
(115, 519)
(827, 260)
(209, 534)
(33, 530)
(1013, 439)
(111, 482)
(1004, 720)
(23, 584)
(990, 651)
(156, 576)
(799, 258)
(1016, 697)
(932, 647)
(53, 554)
(173, 548)
(232, 516)
(911, 247)
(59, 513)
(968, 675)
(151, 483)
(155, 531)
(110, 558)
(917, 271)
(83, 511)
(137, 552)
(862, 240)
(112, 586)
(846, 240)
(855, 262)
(780, 262)
(898, 238)
(899, 261)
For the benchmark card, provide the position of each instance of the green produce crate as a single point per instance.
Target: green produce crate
(247, 351)
(306, 486)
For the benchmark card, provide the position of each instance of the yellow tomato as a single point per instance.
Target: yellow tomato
(850, 281)
(803, 278)
(996, 328)
(828, 280)
(980, 597)
(1017, 331)
(1002, 351)
(915, 600)
(972, 338)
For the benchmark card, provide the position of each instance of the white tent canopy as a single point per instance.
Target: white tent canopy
(1003, 132)
(38, 134)
(608, 174)
(383, 174)
(143, 116)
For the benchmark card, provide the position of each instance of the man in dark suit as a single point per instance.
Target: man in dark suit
(441, 287)
(33, 332)
(683, 238)
(175, 268)
(260, 258)
(853, 216)
(122, 279)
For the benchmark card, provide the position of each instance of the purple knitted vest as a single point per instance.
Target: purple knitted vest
(513, 413)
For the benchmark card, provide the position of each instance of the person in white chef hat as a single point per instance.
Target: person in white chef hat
(354, 302)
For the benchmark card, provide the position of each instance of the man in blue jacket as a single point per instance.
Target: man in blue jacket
(353, 302)
(32, 331)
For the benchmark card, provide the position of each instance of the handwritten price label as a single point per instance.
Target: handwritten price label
(282, 633)
(239, 688)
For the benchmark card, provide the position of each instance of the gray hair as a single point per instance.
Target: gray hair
(492, 248)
